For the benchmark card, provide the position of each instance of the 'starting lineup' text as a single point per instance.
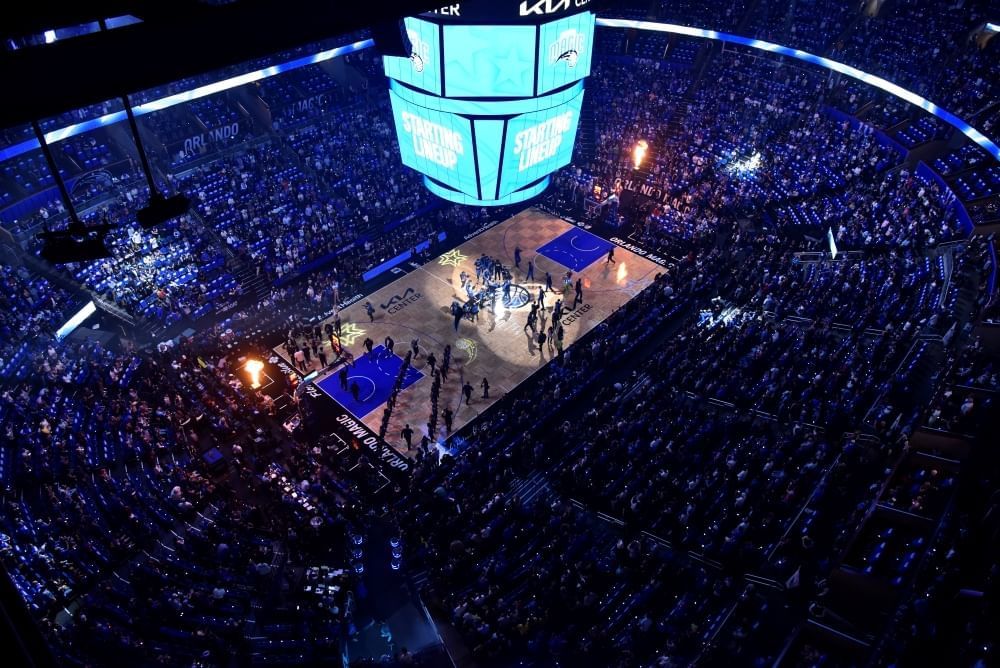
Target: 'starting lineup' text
(540, 142)
(434, 142)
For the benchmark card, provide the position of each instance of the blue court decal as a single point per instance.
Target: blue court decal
(374, 374)
(576, 249)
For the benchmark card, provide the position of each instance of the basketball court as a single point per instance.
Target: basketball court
(496, 347)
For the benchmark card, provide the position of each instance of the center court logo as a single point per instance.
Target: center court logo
(518, 297)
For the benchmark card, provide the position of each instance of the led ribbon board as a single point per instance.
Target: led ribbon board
(182, 97)
(853, 72)
(488, 103)
(533, 10)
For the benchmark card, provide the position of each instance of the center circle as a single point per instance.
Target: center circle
(370, 381)
(572, 242)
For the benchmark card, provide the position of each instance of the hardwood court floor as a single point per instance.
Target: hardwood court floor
(498, 348)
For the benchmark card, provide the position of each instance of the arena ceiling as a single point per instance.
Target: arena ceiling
(174, 40)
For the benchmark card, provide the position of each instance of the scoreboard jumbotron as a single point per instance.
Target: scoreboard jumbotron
(488, 103)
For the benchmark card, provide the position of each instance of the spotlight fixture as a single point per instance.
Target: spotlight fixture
(160, 208)
(77, 243)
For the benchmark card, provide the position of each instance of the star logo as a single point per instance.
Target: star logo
(452, 258)
(512, 70)
(470, 61)
(349, 333)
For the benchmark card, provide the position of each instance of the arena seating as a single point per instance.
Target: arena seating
(914, 212)
(80, 115)
(32, 309)
(768, 456)
(978, 183)
(301, 95)
(131, 513)
(29, 173)
(959, 160)
(158, 274)
(811, 26)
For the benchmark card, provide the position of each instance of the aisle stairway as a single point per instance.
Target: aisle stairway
(255, 286)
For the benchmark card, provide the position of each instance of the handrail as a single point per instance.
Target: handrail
(992, 283)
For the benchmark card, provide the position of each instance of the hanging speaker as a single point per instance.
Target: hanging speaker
(78, 243)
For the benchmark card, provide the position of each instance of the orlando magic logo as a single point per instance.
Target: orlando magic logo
(469, 347)
(398, 302)
(570, 57)
(518, 297)
(420, 53)
(566, 48)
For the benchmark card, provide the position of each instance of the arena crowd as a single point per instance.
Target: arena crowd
(766, 451)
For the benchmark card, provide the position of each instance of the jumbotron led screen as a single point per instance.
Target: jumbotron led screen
(489, 61)
(538, 144)
(565, 48)
(423, 68)
(490, 158)
(488, 110)
(435, 143)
